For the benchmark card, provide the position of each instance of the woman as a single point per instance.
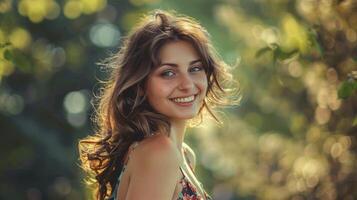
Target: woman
(163, 79)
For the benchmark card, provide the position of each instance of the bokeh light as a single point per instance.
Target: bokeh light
(12, 104)
(38, 10)
(20, 38)
(76, 105)
(5, 6)
(74, 8)
(104, 35)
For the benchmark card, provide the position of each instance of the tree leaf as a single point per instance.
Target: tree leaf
(8, 55)
(346, 89)
(6, 44)
(21, 61)
(262, 51)
(314, 41)
(278, 52)
(283, 55)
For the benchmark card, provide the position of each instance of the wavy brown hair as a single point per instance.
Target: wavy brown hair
(122, 113)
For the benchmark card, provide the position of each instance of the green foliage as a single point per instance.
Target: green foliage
(278, 53)
(313, 39)
(348, 87)
(21, 61)
(18, 58)
(5, 45)
(8, 55)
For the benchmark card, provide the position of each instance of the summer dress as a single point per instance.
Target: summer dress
(188, 192)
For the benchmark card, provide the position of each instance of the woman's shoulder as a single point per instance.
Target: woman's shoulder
(158, 143)
(158, 148)
(153, 169)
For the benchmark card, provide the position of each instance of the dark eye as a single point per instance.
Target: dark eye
(196, 68)
(167, 73)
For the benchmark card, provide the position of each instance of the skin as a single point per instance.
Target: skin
(180, 74)
(153, 168)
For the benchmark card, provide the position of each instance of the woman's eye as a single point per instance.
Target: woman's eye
(196, 68)
(167, 73)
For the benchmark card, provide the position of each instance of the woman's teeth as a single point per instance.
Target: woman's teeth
(184, 100)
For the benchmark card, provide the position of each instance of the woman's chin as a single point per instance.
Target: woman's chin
(184, 117)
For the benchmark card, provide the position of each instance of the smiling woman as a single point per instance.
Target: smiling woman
(163, 79)
(178, 86)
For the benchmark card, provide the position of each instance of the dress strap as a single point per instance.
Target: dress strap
(188, 160)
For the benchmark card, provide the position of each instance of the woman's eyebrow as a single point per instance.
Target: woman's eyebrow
(175, 65)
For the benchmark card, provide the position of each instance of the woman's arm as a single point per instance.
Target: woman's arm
(154, 171)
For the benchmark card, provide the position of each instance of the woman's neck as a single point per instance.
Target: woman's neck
(177, 132)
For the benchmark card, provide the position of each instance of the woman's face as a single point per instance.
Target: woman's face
(176, 88)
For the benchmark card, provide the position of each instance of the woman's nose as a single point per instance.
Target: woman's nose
(186, 82)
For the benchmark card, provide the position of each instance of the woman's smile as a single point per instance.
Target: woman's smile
(185, 101)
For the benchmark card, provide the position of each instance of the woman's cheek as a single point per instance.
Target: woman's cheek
(168, 85)
(204, 82)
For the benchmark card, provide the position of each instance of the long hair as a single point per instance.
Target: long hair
(122, 113)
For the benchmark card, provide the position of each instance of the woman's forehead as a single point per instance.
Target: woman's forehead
(177, 51)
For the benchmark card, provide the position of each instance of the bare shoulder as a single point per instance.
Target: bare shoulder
(154, 169)
(190, 155)
(158, 147)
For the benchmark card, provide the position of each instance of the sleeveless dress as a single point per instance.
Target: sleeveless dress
(188, 192)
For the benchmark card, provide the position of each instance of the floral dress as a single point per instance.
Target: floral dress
(188, 192)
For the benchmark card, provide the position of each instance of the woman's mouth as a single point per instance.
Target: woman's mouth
(184, 101)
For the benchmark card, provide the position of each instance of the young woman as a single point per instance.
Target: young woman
(164, 78)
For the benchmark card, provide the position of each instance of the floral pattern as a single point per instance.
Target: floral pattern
(189, 192)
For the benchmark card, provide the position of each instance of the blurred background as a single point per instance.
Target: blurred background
(292, 137)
